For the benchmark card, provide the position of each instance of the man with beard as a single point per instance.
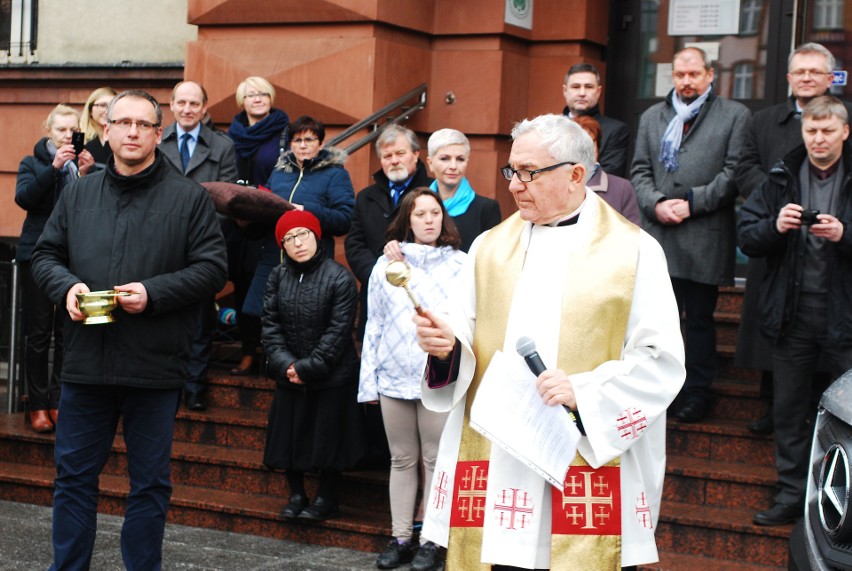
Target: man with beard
(375, 205)
(375, 208)
(683, 173)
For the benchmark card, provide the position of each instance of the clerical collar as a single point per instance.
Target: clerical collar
(823, 174)
(569, 220)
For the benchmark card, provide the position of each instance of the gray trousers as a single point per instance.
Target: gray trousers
(413, 432)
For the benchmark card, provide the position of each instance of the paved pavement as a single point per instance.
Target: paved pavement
(25, 544)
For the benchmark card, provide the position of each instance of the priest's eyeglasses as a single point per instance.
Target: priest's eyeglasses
(527, 175)
(302, 235)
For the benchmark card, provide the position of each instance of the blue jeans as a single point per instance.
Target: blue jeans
(84, 437)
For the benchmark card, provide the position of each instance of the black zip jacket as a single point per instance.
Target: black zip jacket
(156, 227)
(757, 237)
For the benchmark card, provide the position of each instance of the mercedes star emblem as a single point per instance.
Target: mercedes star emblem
(834, 491)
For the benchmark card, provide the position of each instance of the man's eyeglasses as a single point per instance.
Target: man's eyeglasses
(798, 73)
(302, 235)
(306, 140)
(526, 175)
(257, 95)
(126, 124)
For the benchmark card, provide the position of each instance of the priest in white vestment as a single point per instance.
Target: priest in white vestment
(593, 291)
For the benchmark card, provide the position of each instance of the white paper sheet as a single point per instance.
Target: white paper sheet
(510, 413)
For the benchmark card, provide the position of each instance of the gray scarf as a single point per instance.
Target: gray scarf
(672, 138)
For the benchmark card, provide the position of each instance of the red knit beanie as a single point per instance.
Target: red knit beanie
(296, 219)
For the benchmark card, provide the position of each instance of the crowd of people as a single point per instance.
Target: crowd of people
(646, 243)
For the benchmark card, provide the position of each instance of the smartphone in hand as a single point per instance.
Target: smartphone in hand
(78, 140)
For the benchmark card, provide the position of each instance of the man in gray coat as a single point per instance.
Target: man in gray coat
(200, 153)
(686, 150)
(209, 155)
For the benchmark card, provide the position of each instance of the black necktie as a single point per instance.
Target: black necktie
(184, 150)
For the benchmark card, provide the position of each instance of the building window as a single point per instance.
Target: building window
(750, 16)
(743, 80)
(18, 30)
(828, 14)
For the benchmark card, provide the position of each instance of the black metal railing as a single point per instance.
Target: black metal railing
(395, 112)
(10, 335)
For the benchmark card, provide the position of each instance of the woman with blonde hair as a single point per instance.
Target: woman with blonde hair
(92, 123)
(41, 178)
(260, 134)
(258, 131)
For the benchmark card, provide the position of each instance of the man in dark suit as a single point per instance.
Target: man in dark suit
(582, 90)
(376, 205)
(204, 155)
(209, 154)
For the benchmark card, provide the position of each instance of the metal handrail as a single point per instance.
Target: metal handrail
(418, 92)
(12, 392)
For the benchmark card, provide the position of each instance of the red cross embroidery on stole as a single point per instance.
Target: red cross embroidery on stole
(590, 503)
(630, 423)
(513, 509)
(439, 497)
(643, 512)
(469, 487)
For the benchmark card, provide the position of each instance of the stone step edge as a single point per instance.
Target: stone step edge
(255, 506)
(719, 471)
(670, 561)
(721, 427)
(253, 460)
(730, 519)
(226, 456)
(14, 429)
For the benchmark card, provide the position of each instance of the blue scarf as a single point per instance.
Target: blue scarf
(672, 138)
(248, 139)
(460, 201)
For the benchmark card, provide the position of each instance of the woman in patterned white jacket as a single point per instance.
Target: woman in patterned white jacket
(392, 363)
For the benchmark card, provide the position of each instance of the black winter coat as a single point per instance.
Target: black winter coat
(772, 134)
(36, 191)
(156, 227)
(308, 320)
(374, 211)
(757, 237)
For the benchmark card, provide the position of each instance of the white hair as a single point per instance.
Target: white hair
(563, 139)
(446, 137)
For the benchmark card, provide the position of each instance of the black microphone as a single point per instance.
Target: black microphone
(526, 349)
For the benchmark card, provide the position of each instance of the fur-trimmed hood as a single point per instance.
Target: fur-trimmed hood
(328, 157)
